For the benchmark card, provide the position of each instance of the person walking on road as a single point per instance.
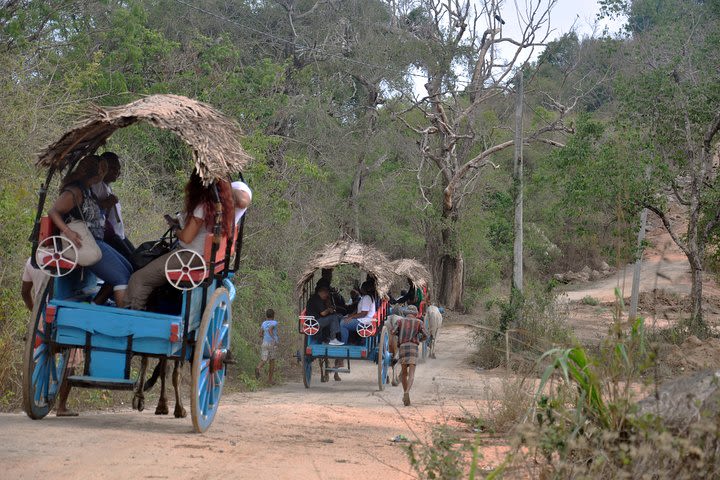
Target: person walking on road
(410, 331)
(268, 349)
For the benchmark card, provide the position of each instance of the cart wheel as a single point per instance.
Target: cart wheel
(208, 366)
(383, 362)
(44, 367)
(306, 363)
(307, 370)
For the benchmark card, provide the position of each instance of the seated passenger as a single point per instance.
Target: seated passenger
(336, 299)
(413, 295)
(318, 306)
(76, 202)
(199, 218)
(242, 196)
(365, 313)
(354, 300)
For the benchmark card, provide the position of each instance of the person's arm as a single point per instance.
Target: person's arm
(363, 308)
(274, 333)
(26, 292)
(188, 233)
(241, 198)
(64, 203)
(423, 333)
(262, 332)
(108, 203)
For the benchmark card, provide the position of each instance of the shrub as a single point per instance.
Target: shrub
(542, 324)
(589, 300)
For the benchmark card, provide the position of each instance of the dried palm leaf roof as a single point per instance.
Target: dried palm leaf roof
(213, 137)
(414, 270)
(345, 252)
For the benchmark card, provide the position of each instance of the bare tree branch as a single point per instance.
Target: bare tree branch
(683, 246)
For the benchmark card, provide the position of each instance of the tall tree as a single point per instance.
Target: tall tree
(671, 91)
(452, 138)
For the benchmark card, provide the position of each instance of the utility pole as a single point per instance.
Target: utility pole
(518, 183)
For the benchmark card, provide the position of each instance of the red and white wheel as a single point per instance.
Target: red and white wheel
(185, 269)
(365, 329)
(310, 326)
(56, 256)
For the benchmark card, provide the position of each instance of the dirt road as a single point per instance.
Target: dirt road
(334, 430)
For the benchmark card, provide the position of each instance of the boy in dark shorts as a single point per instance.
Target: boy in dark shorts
(410, 331)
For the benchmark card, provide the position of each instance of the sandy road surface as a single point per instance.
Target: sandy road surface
(332, 431)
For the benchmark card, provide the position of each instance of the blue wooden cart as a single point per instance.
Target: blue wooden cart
(189, 322)
(371, 340)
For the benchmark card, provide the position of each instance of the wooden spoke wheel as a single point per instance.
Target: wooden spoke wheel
(384, 358)
(208, 363)
(44, 364)
(306, 365)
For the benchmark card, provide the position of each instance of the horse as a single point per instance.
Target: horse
(434, 320)
(160, 371)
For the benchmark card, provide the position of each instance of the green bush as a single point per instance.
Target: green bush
(589, 300)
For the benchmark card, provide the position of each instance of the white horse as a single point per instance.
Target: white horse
(433, 319)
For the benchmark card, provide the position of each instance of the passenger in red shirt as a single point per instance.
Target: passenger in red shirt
(410, 331)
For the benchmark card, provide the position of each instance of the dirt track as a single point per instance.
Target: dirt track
(332, 431)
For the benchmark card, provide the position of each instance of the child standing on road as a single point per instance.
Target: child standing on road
(268, 349)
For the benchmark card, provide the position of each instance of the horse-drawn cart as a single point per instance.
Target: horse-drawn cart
(194, 324)
(370, 340)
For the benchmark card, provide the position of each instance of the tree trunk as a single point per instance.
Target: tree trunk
(451, 269)
(696, 320)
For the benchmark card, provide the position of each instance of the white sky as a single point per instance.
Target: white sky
(581, 12)
(566, 15)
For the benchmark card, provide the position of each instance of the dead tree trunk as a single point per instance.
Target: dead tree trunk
(451, 262)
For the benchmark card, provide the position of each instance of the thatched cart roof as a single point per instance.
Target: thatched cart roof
(213, 138)
(414, 270)
(345, 252)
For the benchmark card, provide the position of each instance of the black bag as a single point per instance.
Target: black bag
(146, 252)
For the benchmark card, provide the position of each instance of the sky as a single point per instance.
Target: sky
(580, 15)
(583, 12)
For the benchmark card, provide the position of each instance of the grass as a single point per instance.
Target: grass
(590, 300)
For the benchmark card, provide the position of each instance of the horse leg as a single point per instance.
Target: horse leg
(432, 346)
(323, 363)
(179, 409)
(162, 408)
(138, 401)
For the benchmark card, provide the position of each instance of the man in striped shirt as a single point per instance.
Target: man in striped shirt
(410, 331)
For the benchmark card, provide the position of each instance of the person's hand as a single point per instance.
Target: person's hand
(172, 222)
(73, 236)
